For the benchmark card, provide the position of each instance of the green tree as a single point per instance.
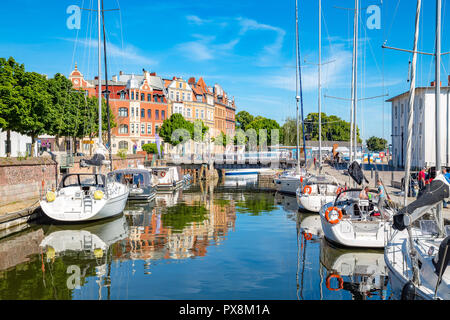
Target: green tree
(150, 148)
(262, 124)
(11, 78)
(333, 128)
(176, 130)
(376, 144)
(243, 119)
(289, 130)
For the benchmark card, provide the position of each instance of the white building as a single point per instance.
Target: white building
(20, 144)
(423, 151)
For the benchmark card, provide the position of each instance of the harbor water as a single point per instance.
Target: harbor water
(224, 240)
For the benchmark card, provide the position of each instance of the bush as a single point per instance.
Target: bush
(122, 153)
(150, 148)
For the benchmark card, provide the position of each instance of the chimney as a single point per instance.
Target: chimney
(96, 78)
(120, 73)
(174, 78)
(192, 80)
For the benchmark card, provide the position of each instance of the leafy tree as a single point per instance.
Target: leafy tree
(243, 119)
(176, 130)
(222, 139)
(268, 125)
(289, 130)
(333, 128)
(11, 77)
(150, 148)
(376, 144)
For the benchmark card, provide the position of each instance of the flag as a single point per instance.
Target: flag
(158, 145)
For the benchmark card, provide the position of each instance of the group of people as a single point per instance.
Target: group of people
(364, 195)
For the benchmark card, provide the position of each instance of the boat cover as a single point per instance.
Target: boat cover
(96, 160)
(435, 192)
(354, 170)
(443, 257)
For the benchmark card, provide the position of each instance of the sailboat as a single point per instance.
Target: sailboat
(87, 197)
(289, 181)
(418, 257)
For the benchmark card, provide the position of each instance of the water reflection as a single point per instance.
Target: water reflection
(362, 273)
(209, 241)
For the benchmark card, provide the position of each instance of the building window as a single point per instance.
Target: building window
(189, 112)
(123, 129)
(123, 112)
(163, 114)
(149, 128)
(178, 96)
(157, 114)
(156, 128)
(181, 85)
(132, 95)
(142, 113)
(196, 114)
(149, 97)
(122, 95)
(162, 99)
(171, 95)
(123, 145)
(142, 128)
(189, 97)
(203, 114)
(142, 97)
(183, 96)
(149, 113)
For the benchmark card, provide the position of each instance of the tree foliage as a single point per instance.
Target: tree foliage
(243, 119)
(376, 144)
(176, 130)
(150, 148)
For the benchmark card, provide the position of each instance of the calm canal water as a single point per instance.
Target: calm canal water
(224, 241)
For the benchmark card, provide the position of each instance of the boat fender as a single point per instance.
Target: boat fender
(408, 291)
(163, 174)
(98, 195)
(308, 236)
(340, 281)
(50, 196)
(327, 215)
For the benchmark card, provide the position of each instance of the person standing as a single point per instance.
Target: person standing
(381, 197)
(421, 178)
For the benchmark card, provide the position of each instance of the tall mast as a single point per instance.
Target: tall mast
(412, 92)
(355, 76)
(100, 142)
(107, 90)
(300, 97)
(438, 108)
(319, 85)
(297, 70)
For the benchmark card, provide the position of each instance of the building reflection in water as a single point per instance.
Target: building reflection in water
(184, 229)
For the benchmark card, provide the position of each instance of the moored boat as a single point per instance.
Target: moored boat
(141, 182)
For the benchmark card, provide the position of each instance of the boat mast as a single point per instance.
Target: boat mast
(297, 97)
(100, 142)
(319, 86)
(412, 92)
(355, 78)
(438, 109)
(107, 90)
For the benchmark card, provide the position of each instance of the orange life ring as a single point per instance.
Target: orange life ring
(307, 189)
(163, 174)
(340, 280)
(327, 215)
(308, 236)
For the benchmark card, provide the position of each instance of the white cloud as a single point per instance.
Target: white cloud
(196, 20)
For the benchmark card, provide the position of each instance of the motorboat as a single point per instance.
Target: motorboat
(169, 178)
(418, 256)
(353, 222)
(141, 182)
(363, 273)
(316, 191)
(289, 181)
(85, 197)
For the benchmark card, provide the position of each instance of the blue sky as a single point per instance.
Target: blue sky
(246, 46)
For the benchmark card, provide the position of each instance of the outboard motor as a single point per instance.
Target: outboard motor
(442, 259)
(354, 170)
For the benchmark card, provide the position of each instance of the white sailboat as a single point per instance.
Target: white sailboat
(87, 197)
(354, 222)
(317, 191)
(418, 257)
(289, 181)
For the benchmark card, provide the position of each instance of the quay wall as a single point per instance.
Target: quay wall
(23, 179)
(131, 161)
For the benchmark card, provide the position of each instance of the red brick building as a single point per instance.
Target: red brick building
(138, 103)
